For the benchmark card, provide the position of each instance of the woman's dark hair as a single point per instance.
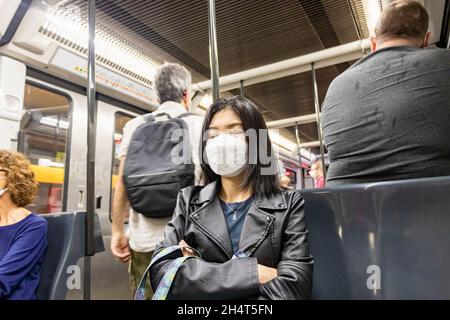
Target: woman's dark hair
(263, 185)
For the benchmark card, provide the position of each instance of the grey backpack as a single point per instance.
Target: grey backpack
(152, 178)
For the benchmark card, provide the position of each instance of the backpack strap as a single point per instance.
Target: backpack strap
(149, 117)
(163, 114)
(187, 114)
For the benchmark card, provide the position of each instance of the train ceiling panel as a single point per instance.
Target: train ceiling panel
(249, 33)
(293, 96)
(307, 132)
(279, 97)
(161, 28)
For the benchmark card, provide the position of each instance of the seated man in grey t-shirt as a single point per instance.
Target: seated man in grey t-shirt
(388, 116)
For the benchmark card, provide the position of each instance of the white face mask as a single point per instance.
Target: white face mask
(2, 191)
(227, 154)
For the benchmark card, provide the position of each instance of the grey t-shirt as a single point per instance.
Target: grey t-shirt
(388, 117)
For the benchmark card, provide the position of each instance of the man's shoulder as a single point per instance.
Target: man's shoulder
(407, 54)
(134, 123)
(128, 131)
(194, 121)
(195, 118)
(435, 55)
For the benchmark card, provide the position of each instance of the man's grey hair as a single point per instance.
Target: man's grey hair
(171, 81)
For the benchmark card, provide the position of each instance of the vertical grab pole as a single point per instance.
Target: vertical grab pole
(319, 127)
(91, 132)
(242, 90)
(299, 146)
(313, 184)
(213, 52)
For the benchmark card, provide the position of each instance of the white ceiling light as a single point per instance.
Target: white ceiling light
(280, 140)
(206, 101)
(372, 11)
(68, 24)
(54, 122)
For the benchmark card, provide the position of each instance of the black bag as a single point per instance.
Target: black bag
(152, 179)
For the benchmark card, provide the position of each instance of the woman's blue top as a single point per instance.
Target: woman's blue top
(22, 248)
(235, 213)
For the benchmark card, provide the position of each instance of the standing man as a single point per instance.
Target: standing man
(387, 117)
(172, 86)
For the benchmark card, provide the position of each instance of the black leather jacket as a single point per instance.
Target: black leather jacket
(274, 235)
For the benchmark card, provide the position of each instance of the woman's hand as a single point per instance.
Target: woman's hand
(187, 252)
(266, 274)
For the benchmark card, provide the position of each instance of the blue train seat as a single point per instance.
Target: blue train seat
(387, 240)
(66, 245)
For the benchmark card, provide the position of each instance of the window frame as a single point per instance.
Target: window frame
(20, 146)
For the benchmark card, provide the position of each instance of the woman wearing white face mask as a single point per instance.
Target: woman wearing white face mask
(247, 235)
(23, 235)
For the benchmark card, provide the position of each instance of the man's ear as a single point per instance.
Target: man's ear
(426, 40)
(373, 43)
(187, 99)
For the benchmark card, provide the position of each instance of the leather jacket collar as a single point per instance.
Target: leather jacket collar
(209, 194)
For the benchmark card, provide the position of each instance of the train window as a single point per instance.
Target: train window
(121, 120)
(309, 181)
(291, 174)
(43, 139)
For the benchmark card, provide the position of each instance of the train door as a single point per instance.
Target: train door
(109, 277)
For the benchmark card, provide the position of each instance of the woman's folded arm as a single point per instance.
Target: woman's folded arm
(294, 280)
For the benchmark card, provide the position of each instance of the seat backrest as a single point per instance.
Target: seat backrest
(66, 236)
(388, 240)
